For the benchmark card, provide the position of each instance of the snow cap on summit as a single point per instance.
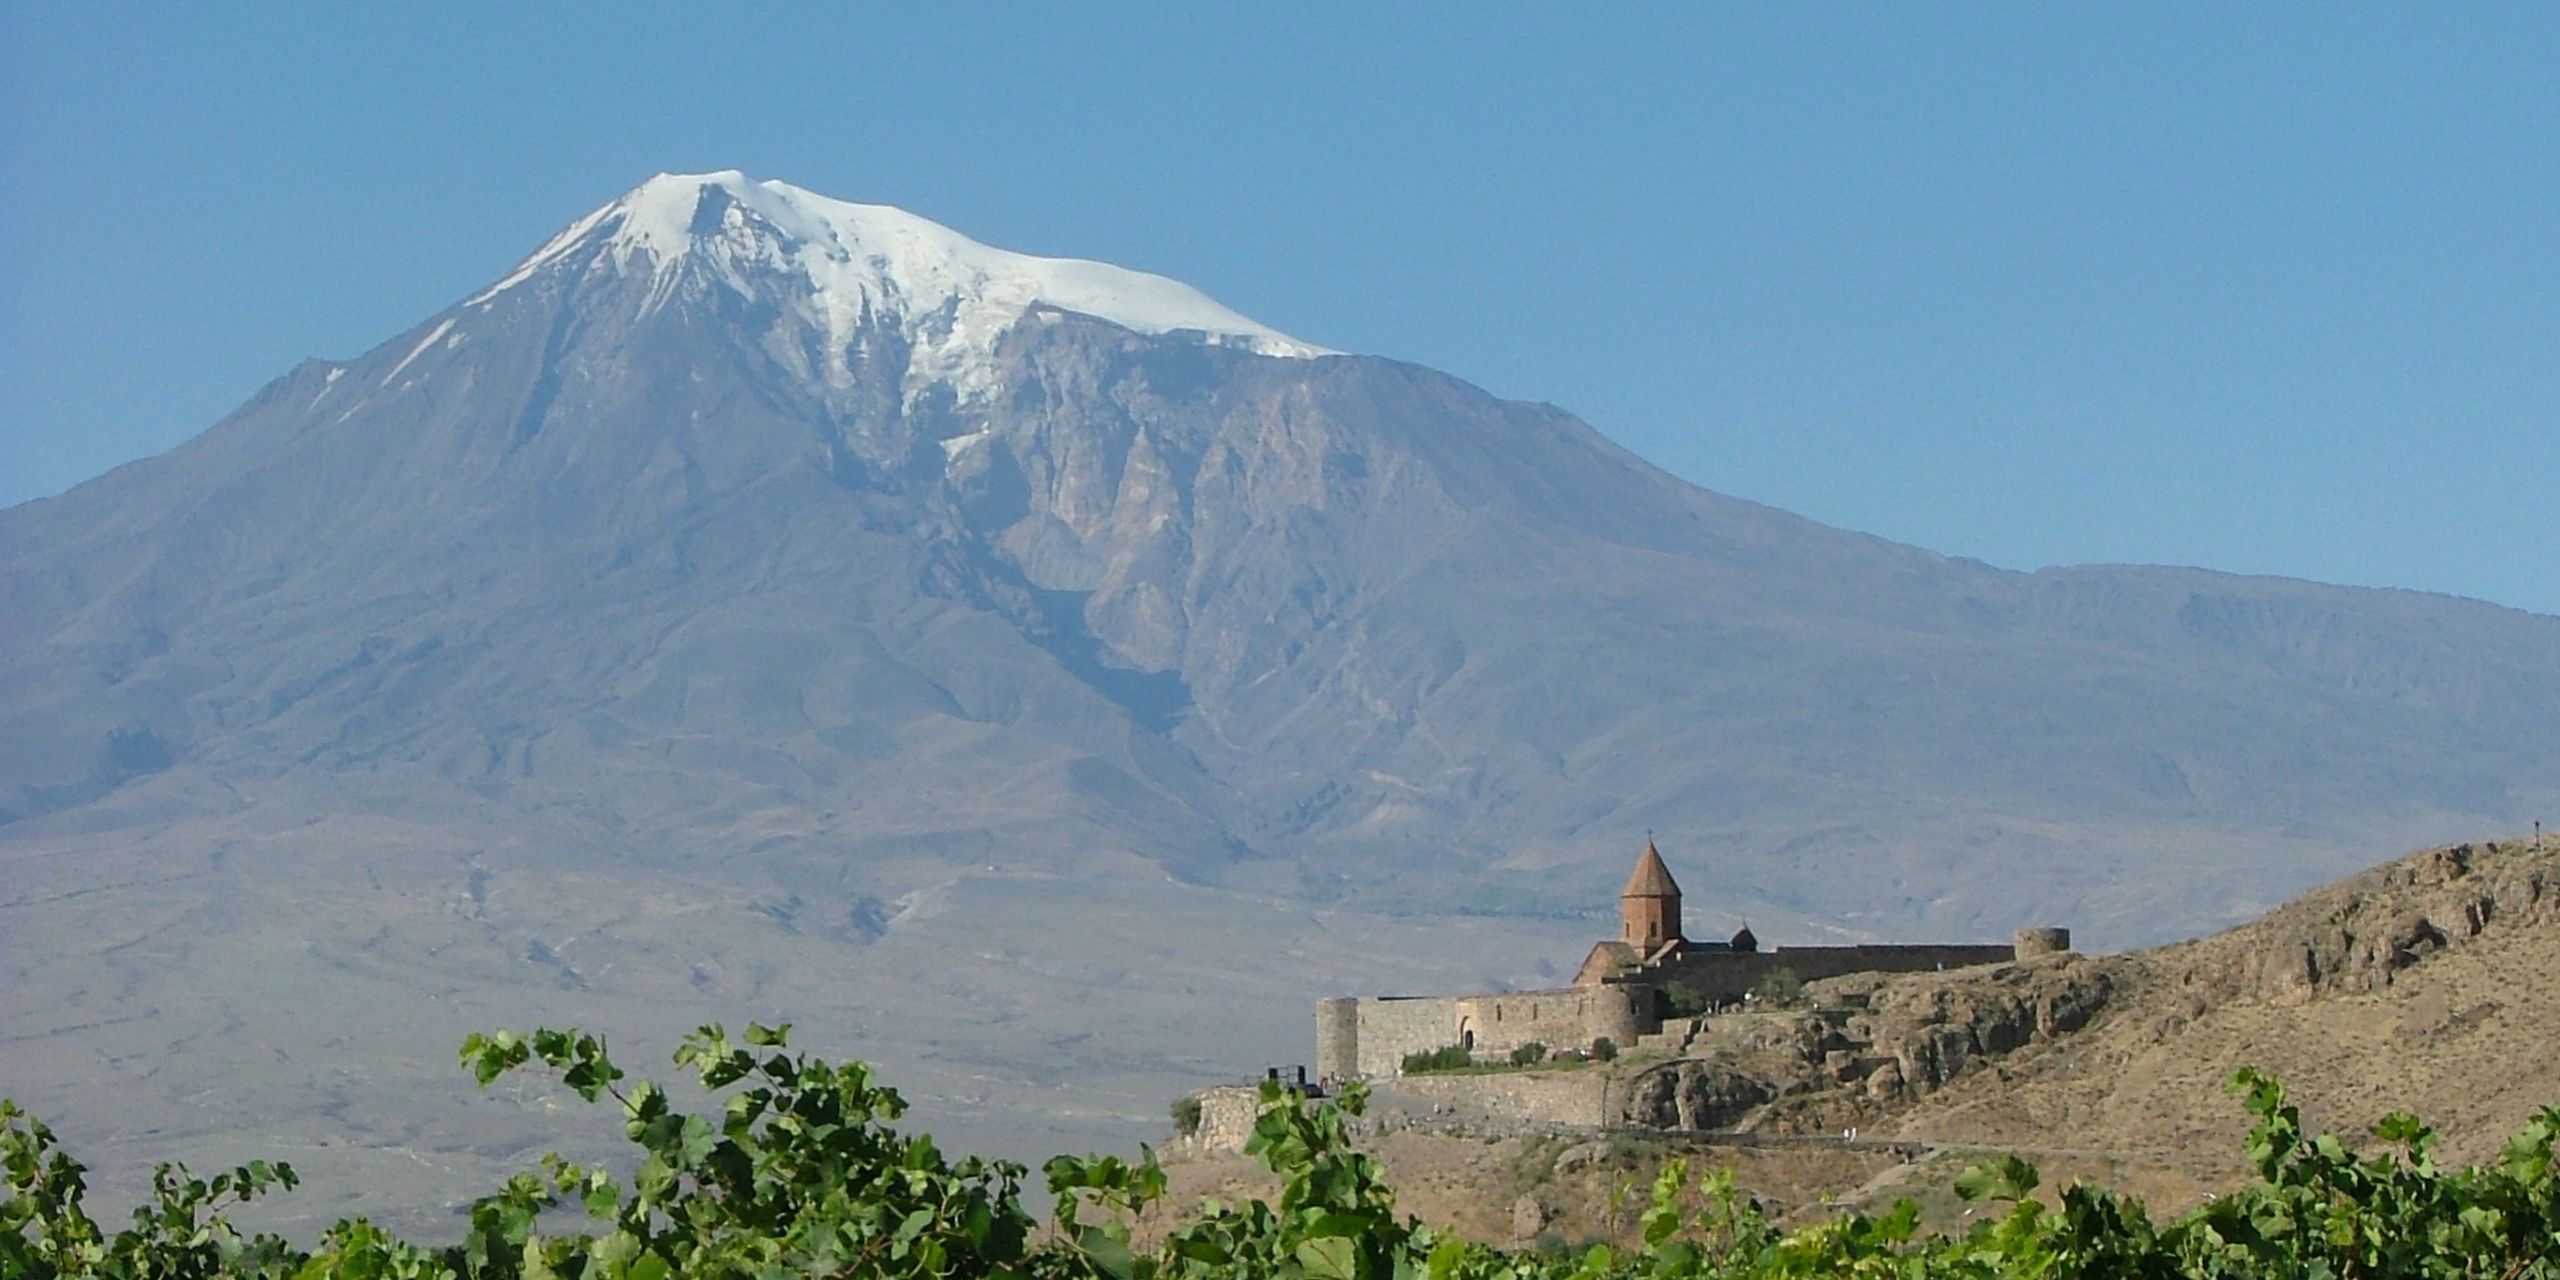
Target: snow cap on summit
(866, 263)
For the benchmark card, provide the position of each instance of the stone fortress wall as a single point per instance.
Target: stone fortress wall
(1725, 976)
(1370, 1036)
(1579, 1098)
(2043, 941)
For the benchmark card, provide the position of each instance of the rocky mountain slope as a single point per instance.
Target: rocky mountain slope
(735, 512)
(757, 603)
(2420, 986)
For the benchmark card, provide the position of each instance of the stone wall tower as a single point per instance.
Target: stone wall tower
(1649, 907)
(2044, 940)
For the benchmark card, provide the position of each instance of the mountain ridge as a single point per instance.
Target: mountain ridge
(581, 652)
(1086, 493)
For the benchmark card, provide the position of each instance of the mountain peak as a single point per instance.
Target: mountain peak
(842, 265)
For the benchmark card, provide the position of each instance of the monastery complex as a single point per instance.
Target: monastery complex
(1623, 991)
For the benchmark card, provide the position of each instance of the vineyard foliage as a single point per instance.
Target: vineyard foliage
(802, 1172)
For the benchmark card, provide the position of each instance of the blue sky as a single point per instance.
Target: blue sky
(2262, 288)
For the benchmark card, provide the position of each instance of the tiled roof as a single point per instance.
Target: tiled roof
(1651, 878)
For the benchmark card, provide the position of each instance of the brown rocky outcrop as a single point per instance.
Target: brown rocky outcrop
(1930, 1030)
(1890, 1037)
(1693, 1093)
(1529, 1216)
(2356, 935)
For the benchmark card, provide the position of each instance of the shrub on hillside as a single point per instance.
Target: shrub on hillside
(1186, 1115)
(1779, 987)
(1529, 1055)
(1680, 1000)
(1448, 1057)
(1604, 1049)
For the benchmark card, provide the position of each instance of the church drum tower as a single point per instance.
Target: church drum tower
(1649, 907)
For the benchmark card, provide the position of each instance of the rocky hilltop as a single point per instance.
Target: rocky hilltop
(2421, 985)
(2403, 947)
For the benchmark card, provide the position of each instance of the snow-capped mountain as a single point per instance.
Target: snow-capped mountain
(1292, 604)
(756, 600)
(845, 274)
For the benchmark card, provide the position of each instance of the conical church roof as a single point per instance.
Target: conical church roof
(1651, 879)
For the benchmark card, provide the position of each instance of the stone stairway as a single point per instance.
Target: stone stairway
(1675, 1037)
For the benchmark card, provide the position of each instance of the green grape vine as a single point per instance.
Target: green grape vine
(802, 1171)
